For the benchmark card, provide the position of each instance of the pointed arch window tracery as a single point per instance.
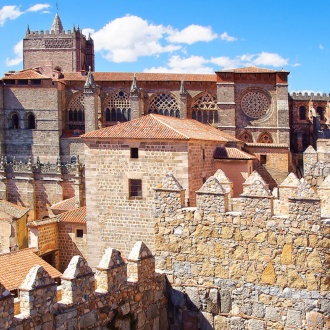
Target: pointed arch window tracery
(204, 109)
(246, 137)
(76, 112)
(265, 138)
(117, 108)
(164, 104)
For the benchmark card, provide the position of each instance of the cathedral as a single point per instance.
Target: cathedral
(49, 109)
(214, 188)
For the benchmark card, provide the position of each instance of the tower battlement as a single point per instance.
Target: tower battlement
(69, 50)
(310, 96)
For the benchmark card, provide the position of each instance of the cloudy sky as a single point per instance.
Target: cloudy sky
(186, 36)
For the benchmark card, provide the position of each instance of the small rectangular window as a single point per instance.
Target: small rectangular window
(35, 82)
(80, 233)
(10, 82)
(135, 188)
(263, 159)
(134, 152)
(23, 82)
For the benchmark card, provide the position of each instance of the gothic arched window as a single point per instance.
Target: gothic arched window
(164, 104)
(76, 112)
(246, 137)
(206, 107)
(120, 106)
(265, 138)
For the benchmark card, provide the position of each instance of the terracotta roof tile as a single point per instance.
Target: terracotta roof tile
(128, 76)
(14, 267)
(26, 74)
(78, 215)
(251, 69)
(13, 210)
(231, 153)
(65, 205)
(162, 128)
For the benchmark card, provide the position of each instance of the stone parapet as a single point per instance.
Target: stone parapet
(115, 304)
(251, 268)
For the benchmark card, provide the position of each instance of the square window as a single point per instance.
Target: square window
(135, 188)
(79, 233)
(134, 152)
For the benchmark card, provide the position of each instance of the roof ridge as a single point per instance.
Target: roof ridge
(167, 125)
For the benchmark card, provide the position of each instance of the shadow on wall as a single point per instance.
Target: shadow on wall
(184, 308)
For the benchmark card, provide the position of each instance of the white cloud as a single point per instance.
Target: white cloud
(321, 46)
(127, 38)
(270, 59)
(18, 50)
(199, 64)
(13, 12)
(191, 34)
(87, 31)
(296, 64)
(9, 12)
(226, 62)
(226, 37)
(192, 64)
(39, 7)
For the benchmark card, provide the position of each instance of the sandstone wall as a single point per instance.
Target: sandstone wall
(43, 141)
(246, 269)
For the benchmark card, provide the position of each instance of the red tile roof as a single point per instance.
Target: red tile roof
(26, 74)
(231, 153)
(13, 210)
(128, 76)
(77, 216)
(14, 266)
(162, 128)
(66, 205)
(251, 69)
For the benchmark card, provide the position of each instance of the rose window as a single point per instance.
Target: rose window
(255, 104)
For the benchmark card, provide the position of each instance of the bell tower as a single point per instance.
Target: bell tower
(67, 51)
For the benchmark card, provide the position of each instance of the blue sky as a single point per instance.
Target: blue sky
(186, 36)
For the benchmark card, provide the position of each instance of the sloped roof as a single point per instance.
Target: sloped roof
(77, 216)
(162, 128)
(14, 266)
(57, 26)
(65, 205)
(250, 69)
(129, 76)
(25, 74)
(15, 211)
(231, 153)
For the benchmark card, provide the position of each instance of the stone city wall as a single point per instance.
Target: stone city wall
(118, 295)
(244, 270)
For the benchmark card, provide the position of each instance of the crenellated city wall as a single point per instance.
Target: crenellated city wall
(118, 295)
(266, 267)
